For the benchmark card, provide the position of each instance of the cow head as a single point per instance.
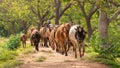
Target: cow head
(66, 27)
(33, 28)
(80, 33)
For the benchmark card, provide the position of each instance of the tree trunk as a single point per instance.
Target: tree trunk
(57, 20)
(14, 28)
(24, 23)
(57, 11)
(89, 28)
(103, 27)
(40, 23)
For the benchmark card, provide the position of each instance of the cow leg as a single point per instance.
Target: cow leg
(81, 49)
(83, 45)
(65, 50)
(74, 48)
(52, 45)
(45, 42)
(36, 47)
(25, 44)
(57, 47)
(62, 49)
(31, 42)
(68, 45)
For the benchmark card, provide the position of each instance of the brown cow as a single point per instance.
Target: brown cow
(30, 34)
(61, 37)
(52, 36)
(45, 34)
(23, 39)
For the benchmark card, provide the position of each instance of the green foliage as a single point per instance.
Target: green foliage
(7, 55)
(114, 39)
(111, 63)
(112, 51)
(14, 42)
(11, 64)
(3, 31)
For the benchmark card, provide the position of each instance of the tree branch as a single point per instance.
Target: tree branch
(92, 2)
(115, 15)
(66, 7)
(114, 3)
(28, 26)
(32, 9)
(52, 17)
(45, 14)
(38, 9)
(82, 8)
(93, 10)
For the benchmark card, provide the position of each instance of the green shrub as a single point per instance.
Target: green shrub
(14, 42)
(11, 64)
(111, 52)
(107, 55)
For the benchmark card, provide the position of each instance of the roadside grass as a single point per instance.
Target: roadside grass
(3, 40)
(11, 64)
(8, 58)
(26, 50)
(41, 59)
(93, 57)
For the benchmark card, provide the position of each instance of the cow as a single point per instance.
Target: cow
(35, 38)
(76, 36)
(30, 35)
(45, 34)
(52, 36)
(23, 39)
(61, 38)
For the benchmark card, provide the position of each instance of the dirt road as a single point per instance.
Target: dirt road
(47, 58)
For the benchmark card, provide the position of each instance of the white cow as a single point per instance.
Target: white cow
(77, 36)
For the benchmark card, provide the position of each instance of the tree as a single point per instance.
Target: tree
(58, 9)
(105, 18)
(88, 14)
(41, 9)
(13, 13)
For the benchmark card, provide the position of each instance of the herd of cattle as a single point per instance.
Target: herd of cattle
(59, 37)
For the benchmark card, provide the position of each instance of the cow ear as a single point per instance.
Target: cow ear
(84, 32)
(76, 29)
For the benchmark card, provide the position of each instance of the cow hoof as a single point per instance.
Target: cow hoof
(62, 53)
(53, 48)
(37, 50)
(75, 56)
(46, 46)
(56, 50)
(66, 54)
